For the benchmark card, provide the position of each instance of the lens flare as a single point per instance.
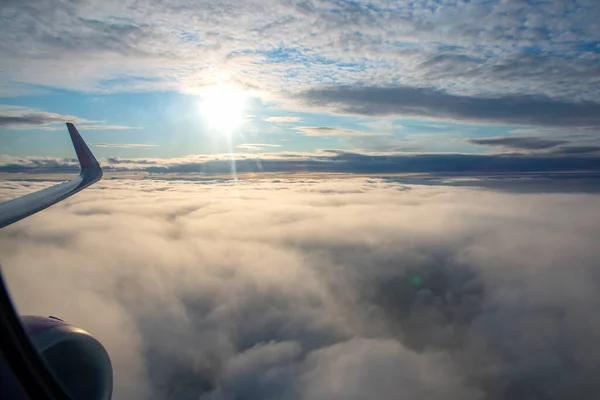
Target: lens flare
(223, 107)
(416, 281)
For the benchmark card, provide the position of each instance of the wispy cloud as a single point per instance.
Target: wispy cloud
(125, 145)
(329, 131)
(256, 146)
(507, 47)
(282, 119)
(108, 127)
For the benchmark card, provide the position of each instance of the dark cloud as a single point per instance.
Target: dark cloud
(348, 285)
(559, 182)
(525, 143)
(546, 146)
(404, 101)
(569, 150)
(24, 117)
(34, 118)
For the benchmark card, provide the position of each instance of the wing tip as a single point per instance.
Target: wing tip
(22, 207)
(87, 161)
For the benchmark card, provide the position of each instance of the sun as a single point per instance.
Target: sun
(223, 107)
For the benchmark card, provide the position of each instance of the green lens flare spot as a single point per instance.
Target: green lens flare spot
(416, 281)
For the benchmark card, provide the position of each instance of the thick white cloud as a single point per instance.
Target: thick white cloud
(381, 368)
(320, 289)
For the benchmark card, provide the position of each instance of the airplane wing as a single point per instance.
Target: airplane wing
(21, 207)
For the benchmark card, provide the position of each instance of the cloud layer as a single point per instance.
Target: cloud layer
(556, 159)
(320, 289)
(506, 48)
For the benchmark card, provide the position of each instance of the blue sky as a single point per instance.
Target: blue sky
(172, 125)
(398, 77)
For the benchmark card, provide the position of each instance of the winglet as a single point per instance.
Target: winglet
(87, 161)
(24, 206)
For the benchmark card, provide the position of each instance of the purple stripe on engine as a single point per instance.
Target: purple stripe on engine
(35, 324)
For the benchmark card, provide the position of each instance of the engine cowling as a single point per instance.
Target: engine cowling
(78, 360)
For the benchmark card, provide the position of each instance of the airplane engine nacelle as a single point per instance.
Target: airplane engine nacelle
(77, 360)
